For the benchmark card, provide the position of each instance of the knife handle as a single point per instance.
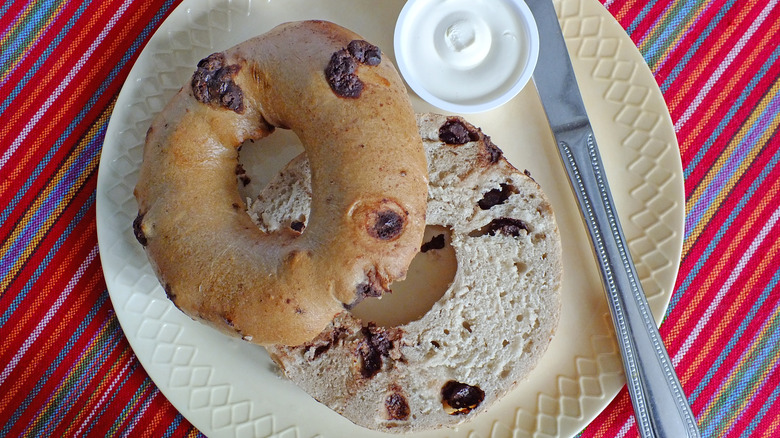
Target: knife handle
(660, 406)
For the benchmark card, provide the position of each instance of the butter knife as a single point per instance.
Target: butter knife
(660, 406)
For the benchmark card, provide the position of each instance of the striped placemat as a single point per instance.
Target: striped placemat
(66, 368)
(716, 64)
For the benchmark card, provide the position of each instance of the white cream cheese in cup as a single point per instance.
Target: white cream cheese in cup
(466, 56)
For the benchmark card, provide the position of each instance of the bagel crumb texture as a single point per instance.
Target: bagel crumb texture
(487, 331)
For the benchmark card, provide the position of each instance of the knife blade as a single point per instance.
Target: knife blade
(660, 406)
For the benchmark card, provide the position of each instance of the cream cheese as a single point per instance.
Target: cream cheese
(466, 55)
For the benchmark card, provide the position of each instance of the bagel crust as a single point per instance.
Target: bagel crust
(349, 108)
(490, 327)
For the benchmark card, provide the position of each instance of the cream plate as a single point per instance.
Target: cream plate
(227, 387)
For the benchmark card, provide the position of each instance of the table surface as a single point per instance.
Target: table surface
(66, 368)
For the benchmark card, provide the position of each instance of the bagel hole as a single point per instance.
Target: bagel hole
(262, 159)
(428, 278)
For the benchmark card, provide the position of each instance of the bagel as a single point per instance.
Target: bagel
(487, 331)
(349, 108)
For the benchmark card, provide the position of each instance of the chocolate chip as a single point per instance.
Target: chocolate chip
(496, 196)
(491, 198)
(342, 63)
(204, 74)
(340, 74)
(365, 52)
(242, 176)
(233, 98)
(138, 230)
(371, 363)
(387, 225)
(212, 63)
(397, 407)
(212, 83)
(506, 226)
(437, 242)
(320, 350)
(372, 348)
(372, 287)
(492, 153)
(368, 289)
(454, 131)
(326, 341)
(297, 226)
(461, 397)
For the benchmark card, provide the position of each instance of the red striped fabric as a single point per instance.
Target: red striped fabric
(716, 63)
(66, 368)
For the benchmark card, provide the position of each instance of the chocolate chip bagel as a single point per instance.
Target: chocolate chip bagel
(351, 112)
(485, 333)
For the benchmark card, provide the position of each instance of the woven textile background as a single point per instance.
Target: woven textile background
(66, 368)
